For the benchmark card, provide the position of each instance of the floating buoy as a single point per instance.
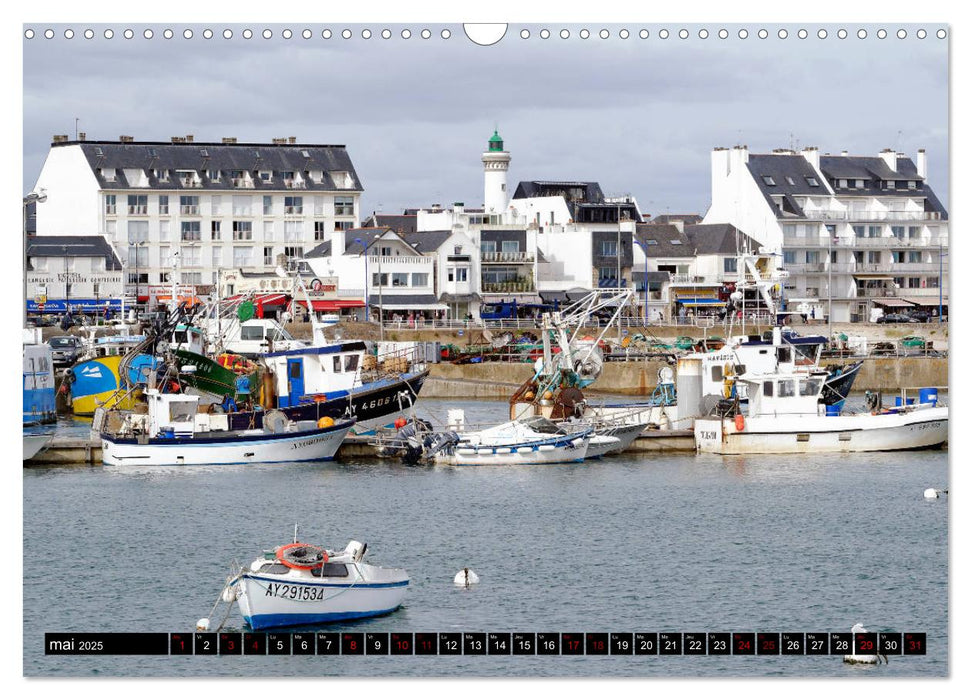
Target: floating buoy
(325, 422)
(858, 628)
(466, 577)
(547, 395)
(203, 624)
(931, 494)
(229, 594)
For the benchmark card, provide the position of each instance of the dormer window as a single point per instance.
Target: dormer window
(844, 184)
(813, 182)
(767, 179)
(161, 175)
(891, 184)
(911, 184)
(213, 175)
(266, 175)
(860, 184)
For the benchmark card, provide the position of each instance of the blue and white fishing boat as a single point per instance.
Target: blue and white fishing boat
(303, 584)
(174, 431)
(533, 440)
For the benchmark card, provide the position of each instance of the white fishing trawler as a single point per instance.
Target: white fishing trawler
(786, 415)
(174, 431)
(303, 584)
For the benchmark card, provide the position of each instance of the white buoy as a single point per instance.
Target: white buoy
(203, 624)
(466, 577)
(931, 494)
(858, 628)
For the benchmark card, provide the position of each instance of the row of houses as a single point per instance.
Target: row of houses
(133, 218)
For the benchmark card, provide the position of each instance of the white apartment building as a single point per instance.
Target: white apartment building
(207, 206)
(867, 233)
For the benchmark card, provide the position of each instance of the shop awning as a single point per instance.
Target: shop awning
(552, 297)
(696, 293)
(333, 304)
(407, 302)
(892, 303)
(460, 298)
(191, 301)
(929, 301)
(872, 276)
(700, 301)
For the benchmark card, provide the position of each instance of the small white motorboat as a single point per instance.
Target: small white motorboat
(611, 435)
(175, 432)
(533, 440)
(601, 445)
(35, 443)
(303, 584)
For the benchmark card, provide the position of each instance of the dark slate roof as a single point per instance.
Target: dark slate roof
(399, 223)
(252, 157)
(73, 247)
(719, 239)
(426, 241)
(685, 218)
(698, 239)
(320, 251)
(663, 235)
(874, 171)
(589, 191)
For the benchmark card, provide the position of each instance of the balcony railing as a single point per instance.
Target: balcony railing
(507, 287)
(871, 215)
(799, 242)
(397, 260)
(515, 257)
(138, 210)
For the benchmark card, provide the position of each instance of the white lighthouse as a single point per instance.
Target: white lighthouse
(496, 164)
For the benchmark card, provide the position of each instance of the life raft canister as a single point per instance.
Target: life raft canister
(739, 422)
(300, 555)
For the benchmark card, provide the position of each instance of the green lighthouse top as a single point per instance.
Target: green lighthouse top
(495, 143)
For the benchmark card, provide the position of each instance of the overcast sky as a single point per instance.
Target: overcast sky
(637, 116)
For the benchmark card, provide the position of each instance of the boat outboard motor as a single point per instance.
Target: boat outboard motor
(439, 441)
(356, 550)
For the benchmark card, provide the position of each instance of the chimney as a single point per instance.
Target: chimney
(844, 153)
(459, 207)
(229, 139)
(279, 142)
(189, 138)
(82, 136)
(178, 139)
(922, 163)
(739, 158)
(126, 139)
(337, 241)
(720, 164)
(293, 140)
(59, 138)
(889, 157)
(811, 154)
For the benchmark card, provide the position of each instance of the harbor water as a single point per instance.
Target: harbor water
(630, 543)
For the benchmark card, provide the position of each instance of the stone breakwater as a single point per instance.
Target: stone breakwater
(497, 380)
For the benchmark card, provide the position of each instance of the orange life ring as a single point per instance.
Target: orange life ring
(300, 555)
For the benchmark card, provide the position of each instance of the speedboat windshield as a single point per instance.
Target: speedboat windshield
(539, 424)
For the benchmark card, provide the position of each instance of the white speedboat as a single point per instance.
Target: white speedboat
(611, 435)
(175, 432)
(533, 440)
(35, 443)
(302, 584)
(786, 414)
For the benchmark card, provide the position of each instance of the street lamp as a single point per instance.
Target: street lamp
(37, 197)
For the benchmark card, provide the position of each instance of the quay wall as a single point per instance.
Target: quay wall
(496, 380)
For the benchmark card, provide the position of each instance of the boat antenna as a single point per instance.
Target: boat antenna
(294, 533)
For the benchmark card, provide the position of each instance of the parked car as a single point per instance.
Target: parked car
(922, 316)
(65, 349)
(895, 318)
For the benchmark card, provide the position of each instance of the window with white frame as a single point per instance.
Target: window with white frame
(267, 255)
(191, 231)
(343, 225)
(379, 279)
(164, 256)
(873, 257)
(292, 231)
(875, 231)
(111, 228)
(242, 230)
(242, 205)
(913, 256)
(320, 230)
(293, 205)
(242, 256)
(137, 231)
(399, 279)
(111, 207)
(318, 206)
(216, 230)
(267, 205)
(163, 205)
(217, 256)
(343, 206)
(163, 230)
(138, 205)
(191, 278)
(189, 205)
(190, 256)
(419, 279)
(267, 230)
(293, 252)
(216, 202)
